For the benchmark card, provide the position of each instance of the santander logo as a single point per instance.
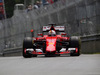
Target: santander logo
(51, 40)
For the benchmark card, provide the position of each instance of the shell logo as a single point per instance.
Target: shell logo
(50, 43)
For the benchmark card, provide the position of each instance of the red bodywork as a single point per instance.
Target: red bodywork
(49, 44)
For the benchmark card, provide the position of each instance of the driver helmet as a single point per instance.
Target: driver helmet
(52, 33)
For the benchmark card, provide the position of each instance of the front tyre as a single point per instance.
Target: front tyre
(75, 42)
(27, 43)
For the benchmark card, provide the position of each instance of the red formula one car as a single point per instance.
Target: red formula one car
(52, 44)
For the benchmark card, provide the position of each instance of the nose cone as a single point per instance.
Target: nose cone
(51, 44)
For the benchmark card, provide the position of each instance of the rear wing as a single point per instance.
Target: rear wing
(57, 28)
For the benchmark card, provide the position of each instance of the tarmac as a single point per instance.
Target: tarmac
(85, 64)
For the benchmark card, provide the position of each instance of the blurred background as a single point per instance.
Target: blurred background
(80, 17)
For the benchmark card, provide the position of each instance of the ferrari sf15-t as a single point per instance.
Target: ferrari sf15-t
(54, 43)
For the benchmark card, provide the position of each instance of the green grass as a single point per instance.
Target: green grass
(91, 53)
(97, 53)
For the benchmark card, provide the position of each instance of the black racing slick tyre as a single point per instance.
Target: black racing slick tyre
(27, 43)
(75, 42)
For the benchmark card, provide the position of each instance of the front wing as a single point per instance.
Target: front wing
(40, 52)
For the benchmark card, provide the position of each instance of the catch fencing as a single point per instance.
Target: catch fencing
(80, 17)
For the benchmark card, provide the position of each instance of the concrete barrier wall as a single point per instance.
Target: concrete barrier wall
(90, 44)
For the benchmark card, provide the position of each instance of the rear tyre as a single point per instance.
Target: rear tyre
(75, 42)
(27, 43)
(44, 47)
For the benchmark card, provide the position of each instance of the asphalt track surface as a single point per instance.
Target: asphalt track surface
(64, 65)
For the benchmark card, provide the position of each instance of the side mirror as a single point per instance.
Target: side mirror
(40, 34)
(63, 34)
(32, 32)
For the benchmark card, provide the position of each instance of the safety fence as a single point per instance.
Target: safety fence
(80, 17)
